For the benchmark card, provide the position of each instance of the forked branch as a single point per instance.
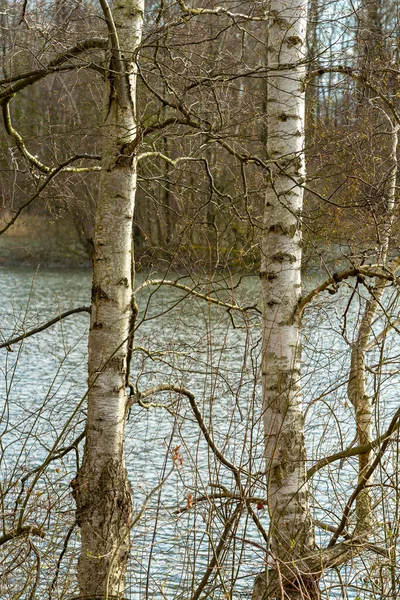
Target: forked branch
(387, 273)
(349, 452)
(139, 396)
(363, 481)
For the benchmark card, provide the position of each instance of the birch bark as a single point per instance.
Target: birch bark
(102, 491)
(291, 527)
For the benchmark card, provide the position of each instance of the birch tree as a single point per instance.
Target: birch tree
(102, 491)
(291, 526)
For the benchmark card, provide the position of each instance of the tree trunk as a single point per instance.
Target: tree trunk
(312, 87)
(291, 527)
(370, 35)
(102, 491)
(357, 386)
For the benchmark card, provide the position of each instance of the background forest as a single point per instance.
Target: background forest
(219, 69)
(227, 424)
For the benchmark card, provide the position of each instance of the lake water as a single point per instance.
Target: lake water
(184, 341)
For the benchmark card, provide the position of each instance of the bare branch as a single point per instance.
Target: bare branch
(58, 454)
(391, 429)
(43, 72)
(57, 319)
(359, 76)
(217, 552)
(20, 531)
(382, 335)
(362, 449)
(62, 553)
(117, 63)
(387, 273)
(95, 43)
(36, 162)
(221, 496)
(220, 10)
(181, 390)
(193, 292)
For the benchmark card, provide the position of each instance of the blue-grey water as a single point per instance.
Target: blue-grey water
(184, 341)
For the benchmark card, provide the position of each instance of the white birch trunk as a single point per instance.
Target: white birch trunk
(292, 532)
(103, 495)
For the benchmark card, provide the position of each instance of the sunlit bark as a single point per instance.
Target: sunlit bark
(292, 532)
(102, 491)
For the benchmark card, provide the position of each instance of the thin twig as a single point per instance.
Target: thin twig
(217, 553)
(59, 454)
